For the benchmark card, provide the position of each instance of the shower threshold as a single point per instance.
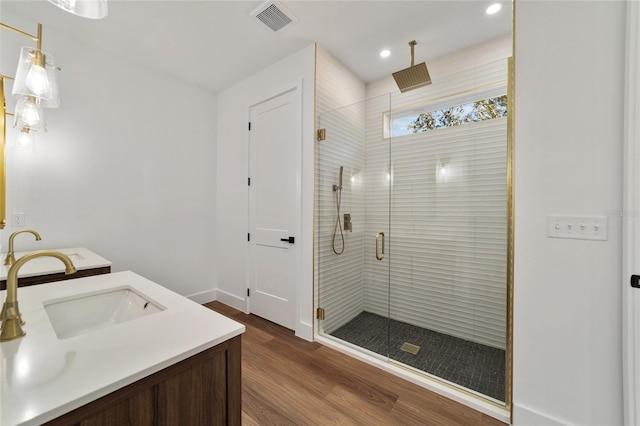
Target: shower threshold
(471, 365)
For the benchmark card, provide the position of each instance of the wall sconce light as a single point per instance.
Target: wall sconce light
(35, 87)
(92, 9)
(25, 140)
(443, 170)
(29, 113)
(36, 77)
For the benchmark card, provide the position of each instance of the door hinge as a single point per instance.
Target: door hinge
(322, 134)
(249, 125)
(249, 181)
(248, 237)
(635, 281)
(247, 292)
(320, 313)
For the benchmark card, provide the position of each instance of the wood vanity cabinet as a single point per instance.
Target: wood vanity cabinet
(59, 276)
(204, 389)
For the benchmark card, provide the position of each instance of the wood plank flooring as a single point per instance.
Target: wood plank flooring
(289, 381)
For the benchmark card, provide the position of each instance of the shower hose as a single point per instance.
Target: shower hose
(338, 224)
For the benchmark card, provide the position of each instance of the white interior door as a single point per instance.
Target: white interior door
(274, 207)
(631, 268)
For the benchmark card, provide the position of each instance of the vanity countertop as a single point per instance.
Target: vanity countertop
(43, 377)
(81, 257)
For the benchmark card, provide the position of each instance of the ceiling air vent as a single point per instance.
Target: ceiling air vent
(274, 15)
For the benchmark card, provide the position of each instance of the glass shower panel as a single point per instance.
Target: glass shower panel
(448, 236)
(448, 239)
(425, 172)
(352, 284)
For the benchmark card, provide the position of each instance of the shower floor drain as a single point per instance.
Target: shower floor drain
(408, 347)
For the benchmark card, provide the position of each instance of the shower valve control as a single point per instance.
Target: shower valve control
(348, 225)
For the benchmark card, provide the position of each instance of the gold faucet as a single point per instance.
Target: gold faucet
(11, 259)
(10, 315)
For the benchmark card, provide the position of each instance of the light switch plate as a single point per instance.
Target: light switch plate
(577, 227)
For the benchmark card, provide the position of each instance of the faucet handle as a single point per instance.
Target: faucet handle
(9, 311)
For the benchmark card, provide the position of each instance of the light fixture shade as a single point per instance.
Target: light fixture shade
(25, 141)
(37, 76)
(29, 113)
(92, 9)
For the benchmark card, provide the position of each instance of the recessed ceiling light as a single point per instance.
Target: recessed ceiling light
(385, 53)
(494, 8)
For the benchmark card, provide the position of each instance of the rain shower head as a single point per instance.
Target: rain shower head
(413, 77)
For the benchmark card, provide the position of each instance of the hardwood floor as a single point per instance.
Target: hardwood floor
(289, 381)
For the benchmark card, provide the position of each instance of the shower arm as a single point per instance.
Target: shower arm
(412, 43)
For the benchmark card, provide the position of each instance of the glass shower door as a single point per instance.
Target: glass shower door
(448, 275)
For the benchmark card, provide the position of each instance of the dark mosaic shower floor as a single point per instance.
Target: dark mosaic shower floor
(468, 364)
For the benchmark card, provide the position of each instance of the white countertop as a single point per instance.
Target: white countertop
(81, 257)
(43, 377)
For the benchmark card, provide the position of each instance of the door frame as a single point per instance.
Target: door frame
(295, 85)
(630, 215)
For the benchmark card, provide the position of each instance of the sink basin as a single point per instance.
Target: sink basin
(79, 314)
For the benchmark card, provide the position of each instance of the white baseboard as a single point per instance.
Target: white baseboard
(204, 297)
(239, 303)
(525, 416)
(304, 330)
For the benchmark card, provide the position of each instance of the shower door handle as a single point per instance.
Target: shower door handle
(378, 236)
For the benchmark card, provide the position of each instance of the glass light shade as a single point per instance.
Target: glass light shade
(92, 9)
(29, 113)
(26, 140)
(37, 76)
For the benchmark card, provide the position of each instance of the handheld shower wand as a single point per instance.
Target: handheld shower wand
(339, 185)
(338, 190)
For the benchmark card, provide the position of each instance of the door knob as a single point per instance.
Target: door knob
(290, 240)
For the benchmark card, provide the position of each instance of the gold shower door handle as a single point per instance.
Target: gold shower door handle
(378, 235)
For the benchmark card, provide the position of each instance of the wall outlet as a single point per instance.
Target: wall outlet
(18, 220)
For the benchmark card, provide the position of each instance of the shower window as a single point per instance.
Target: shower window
(436, 116)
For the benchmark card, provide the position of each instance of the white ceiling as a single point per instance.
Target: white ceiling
(215, 44)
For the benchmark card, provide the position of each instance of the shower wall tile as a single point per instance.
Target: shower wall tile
(339, 278)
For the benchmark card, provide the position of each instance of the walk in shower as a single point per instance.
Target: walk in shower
(411, 229)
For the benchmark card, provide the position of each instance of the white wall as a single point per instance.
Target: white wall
(127, 168)
(232, 169)
(568, 159)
